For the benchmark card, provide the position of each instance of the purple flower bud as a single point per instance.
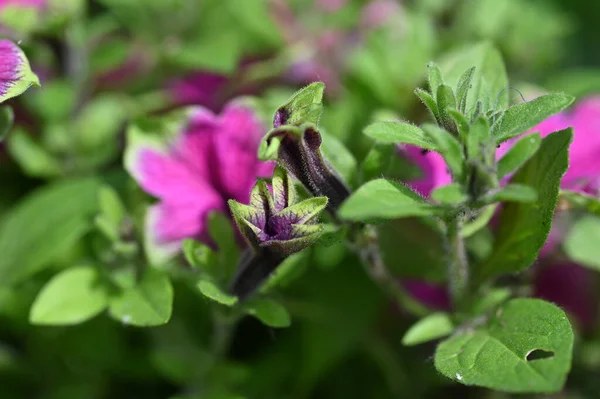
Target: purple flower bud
(299, 151)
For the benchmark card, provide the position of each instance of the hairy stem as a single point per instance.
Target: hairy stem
(373, 263)
(458, 265)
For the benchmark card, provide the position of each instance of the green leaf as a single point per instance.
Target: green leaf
(581, 243)
(45, 225)
(489, 81)
(31, 156)
(269, 312)
(513, 192)
(305, 106)
(462, 89)
(200, 256)
(445, 102)
(218, 52)
(71, 297)
(434, 77)
(434, 326)
(581, 201)
(339, 156)
(211, 291)
(478, 139)
(518, 154)
(427, 99)
(525, 347)
(384, 199)
(15, 81)
(55, 102)
(149, 303)
(449, 194)
(7, 118)
(522, 117)
(221, 230)
(111, 206)
(448, 147)
(524, 227)
(490, 300)
(399, 133)
(479, 222)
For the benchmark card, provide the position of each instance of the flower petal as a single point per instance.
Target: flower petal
(15, 73)
(433, 168)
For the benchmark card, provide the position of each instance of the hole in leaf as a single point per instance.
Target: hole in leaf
(538, 354)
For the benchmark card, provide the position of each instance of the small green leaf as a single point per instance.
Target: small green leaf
(524, 227)
(149, 303)
(522, 117)
(200, 256)
(490, 300)
(479, 222)
(503, 355)
(449, 148)
(434, 77)
(305, 106)
(581, 201)
(429, 102)
(518, 154)
(581, 243)
(6, 121)
(513, 192)
(445, 102)
(384, 199)
(478, 138)
(399, 133)
(211, 291)
(434, 326)
(449, 194)
(31, 156)
(339, 156)
(71, 297)
(462, 89)
(269, 312)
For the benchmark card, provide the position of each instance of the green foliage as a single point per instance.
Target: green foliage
(399, 133)
(50, 221)
(211, 291)
(581, 244)
(147, 303)
(524, 227)
(503, 353)
(384, 199)
(6, 121)
(434, 326)
(518, 154)
(71, 297)
(305, 106)
(522, 117)
(32, 157)
(269, 312)
(580, 201)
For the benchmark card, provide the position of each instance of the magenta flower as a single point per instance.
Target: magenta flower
(15, 73)
(199, 88)
(211, 160)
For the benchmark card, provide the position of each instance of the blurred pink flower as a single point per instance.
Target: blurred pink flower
(212, 160)
(330, 6)
(23, 3)
(377, 13)
(198, 88)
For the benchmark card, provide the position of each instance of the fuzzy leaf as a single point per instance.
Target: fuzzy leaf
(399, 133)
(434, 77)
(513, 192)
(524, 227)
(384, 199)
(522, 117)
(211, 291)
(448, 147)
(305, 106)
(525, 347)
(445, 102)
(449, 194)
(518, 154)
(462, 89)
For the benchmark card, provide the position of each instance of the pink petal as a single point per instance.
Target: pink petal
(433, 168)
(236, 146)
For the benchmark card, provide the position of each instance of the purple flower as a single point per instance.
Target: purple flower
(212, 159)
(15, 73)
(198, 88)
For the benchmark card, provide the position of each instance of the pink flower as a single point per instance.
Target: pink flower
(213, 159)
(15, 73)
(199, 88)
(23, 3)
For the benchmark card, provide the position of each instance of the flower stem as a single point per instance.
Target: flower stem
(369, 253)
(458, 266)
